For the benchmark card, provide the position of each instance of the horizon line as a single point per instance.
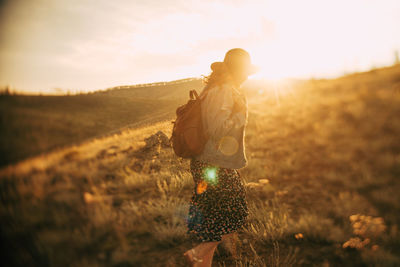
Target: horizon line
(57, 91)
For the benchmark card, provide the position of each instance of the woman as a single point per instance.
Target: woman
(218, 206)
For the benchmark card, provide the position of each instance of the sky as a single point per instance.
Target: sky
(86, 45)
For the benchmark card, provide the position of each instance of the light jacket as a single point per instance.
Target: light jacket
(224, 117)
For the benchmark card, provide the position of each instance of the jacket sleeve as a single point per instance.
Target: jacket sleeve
(221, 119)
(239, 114)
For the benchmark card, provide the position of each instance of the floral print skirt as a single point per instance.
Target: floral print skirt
(218, 205)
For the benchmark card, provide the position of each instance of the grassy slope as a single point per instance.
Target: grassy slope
(30, 125)
(329, 148)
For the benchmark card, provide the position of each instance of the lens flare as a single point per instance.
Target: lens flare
(228, 145)
(201, 187)
(210, 175)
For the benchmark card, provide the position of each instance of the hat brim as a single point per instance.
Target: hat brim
(252, 69)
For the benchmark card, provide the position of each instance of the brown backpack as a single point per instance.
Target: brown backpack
(188, 138)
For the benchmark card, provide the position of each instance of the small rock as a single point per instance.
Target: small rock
(159, 138)
(89, 198)
(281, 193)
(253, 185)
(163, 139)
(263, 181)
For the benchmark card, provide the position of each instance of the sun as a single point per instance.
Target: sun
(271, 66)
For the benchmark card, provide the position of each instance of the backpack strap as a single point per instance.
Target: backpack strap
(203, 93)
(193, 94)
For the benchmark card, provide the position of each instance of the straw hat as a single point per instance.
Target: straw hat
(236, 59)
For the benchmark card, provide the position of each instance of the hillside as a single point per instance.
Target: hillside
(322, 186)
(34, 124)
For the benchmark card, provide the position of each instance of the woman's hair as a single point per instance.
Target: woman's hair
(236, 61)
(218, 76)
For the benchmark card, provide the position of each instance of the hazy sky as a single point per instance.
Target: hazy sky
(95, 44)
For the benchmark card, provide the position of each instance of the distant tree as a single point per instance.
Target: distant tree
(396, 57)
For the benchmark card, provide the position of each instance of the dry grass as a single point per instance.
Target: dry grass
(73, 119)
(323, 172)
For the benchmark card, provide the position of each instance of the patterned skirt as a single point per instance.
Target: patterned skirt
(218, 205)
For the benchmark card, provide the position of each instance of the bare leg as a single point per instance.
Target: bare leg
(227, 236)
(230, 244)
(210, 253)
